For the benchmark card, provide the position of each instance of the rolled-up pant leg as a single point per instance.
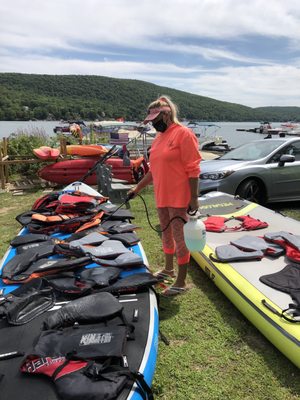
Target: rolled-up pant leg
(173, 238)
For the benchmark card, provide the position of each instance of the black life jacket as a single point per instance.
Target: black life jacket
(27, 302)
(87, 361)
(288, 281)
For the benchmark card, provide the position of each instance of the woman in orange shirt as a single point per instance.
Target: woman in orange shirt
(174, 171)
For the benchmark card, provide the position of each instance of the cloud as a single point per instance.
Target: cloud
(231, 50)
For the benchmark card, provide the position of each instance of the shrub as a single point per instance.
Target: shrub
(21, 145)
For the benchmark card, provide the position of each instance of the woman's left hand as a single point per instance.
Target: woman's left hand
(194, 204)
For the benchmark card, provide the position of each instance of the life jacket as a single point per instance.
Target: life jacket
(39, 268)
(289, 242)
(27, 302)
(65, 212)
(288, 281)
(49, 222)
(252, 243)
(246, 248)
(73, 200)
(88, 359)
(247, 223)
(229, 253)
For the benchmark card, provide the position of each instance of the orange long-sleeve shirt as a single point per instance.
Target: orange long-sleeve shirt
(174, 158)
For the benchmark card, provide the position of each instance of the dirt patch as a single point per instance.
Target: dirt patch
(6, 209)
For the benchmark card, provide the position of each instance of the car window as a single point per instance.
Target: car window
(253, 150)
(292, 149)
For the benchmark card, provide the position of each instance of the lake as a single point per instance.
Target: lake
(227, 129)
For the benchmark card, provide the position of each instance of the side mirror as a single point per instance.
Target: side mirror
(285, 158)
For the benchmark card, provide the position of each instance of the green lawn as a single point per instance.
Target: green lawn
(214, 352)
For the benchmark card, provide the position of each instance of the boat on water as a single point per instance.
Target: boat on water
(287, 128)
(291, 128)
(264, 127)
(77, 325)
(252, 255)
(77, 128)
(208, 138)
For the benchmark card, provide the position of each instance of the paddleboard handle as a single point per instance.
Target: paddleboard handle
(271, 308)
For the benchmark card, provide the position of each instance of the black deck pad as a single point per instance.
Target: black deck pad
(16, 385)
(219, 205)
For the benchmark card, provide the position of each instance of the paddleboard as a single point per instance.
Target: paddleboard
(141, 352)
(239, 280)
(68, 171)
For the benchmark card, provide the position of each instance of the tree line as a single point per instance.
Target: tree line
(55, 97)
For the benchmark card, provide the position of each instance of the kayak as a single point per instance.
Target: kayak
(242, 275)
(86, 150)
(138, 306)
(46, 153)
(68, 171)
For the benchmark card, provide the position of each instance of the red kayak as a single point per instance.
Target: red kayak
(69, 171)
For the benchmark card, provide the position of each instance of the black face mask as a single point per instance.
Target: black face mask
(160, 125)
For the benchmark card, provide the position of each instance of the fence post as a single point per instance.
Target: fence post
(63, 146)
(5, 156)
(2, 176)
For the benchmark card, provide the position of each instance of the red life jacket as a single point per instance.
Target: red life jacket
(218, 224)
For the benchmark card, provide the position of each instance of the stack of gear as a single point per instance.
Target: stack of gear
(82, 348)
(288, 279)
(273, 244)
(246, 248)
(68, 213)
(76, 250)
(60, 261)
(38, 295)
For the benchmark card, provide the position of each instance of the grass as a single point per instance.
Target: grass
(214, 352)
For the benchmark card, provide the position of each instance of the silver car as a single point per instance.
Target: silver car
(262, 171)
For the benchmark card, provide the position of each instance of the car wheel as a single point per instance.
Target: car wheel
(252, 190)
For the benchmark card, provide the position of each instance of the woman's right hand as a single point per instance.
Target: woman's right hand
(132, 193)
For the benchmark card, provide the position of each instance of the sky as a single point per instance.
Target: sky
(244, 52)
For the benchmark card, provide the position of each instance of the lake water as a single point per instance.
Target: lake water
(227, 129)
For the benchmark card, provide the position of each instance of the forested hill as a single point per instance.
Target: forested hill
(28, 96)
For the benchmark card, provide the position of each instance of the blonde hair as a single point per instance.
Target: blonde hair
(164, 101)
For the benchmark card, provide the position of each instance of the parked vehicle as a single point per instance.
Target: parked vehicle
(266, 170)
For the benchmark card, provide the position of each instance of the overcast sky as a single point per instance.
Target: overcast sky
(245, 52)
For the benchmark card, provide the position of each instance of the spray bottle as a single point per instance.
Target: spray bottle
(194, 232)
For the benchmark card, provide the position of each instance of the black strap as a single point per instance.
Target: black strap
(282, 314)
(60, 368)
(146, 391)
(290, 308)
(212, 258)
(164, 338)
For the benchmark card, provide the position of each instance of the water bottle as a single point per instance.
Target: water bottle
(194, 233)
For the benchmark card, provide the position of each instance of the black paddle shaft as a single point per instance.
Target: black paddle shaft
(106, 156)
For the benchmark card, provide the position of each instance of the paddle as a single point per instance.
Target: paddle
(106, 156)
